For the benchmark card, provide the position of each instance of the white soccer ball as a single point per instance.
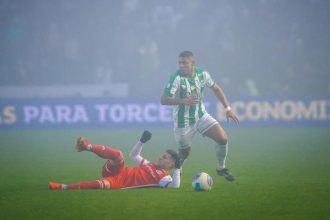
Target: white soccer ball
(202, 182)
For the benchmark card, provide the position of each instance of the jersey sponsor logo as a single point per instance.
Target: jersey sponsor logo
(151, 170)
(159, 172)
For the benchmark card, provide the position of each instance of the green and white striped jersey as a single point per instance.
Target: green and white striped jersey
(180, 86)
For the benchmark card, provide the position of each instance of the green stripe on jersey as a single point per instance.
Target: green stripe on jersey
(180, 119)
(192, 110)
(200, 109)
(193, 91)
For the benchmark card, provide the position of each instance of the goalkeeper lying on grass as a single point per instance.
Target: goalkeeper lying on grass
(116, 175)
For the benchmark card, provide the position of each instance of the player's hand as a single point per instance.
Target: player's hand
(191, 100)
(146, 136)
(231, 114)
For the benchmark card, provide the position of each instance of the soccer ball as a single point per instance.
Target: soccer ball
(202, 182)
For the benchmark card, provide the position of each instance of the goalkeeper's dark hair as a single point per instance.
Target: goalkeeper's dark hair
(186, 53)
(174, 155)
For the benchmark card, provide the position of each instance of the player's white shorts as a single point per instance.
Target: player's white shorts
(184, 136)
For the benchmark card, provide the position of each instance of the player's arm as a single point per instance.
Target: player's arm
(175, 180)
(136, 151)
(220, 95)
(222, 98)
(171, 182)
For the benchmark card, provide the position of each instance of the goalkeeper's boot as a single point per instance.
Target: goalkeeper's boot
(81, 144)
(225, 173)
(55, 186)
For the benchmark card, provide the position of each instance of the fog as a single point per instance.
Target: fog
(250, 47)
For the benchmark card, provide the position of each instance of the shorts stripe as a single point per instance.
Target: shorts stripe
(101, 184)
(106, 184)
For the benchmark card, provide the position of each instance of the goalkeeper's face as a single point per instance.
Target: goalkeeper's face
(166, 161)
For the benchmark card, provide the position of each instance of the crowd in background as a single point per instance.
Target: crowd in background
(251, 48)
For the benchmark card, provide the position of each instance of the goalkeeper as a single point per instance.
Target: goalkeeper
(116, 175)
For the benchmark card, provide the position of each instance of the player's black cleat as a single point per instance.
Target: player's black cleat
(146, 136)
(225, 173)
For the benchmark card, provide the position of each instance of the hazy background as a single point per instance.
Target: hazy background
(252, 47)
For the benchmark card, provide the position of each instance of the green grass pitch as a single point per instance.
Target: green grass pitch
(282, 173)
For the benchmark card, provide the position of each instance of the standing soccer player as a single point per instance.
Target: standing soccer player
(116, 175)
(185, 91)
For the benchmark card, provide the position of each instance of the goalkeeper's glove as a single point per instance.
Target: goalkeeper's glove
(146, 136)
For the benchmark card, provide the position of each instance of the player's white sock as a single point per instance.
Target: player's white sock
(89, 147)
(221, 152)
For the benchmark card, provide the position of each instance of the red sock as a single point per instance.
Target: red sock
(96, 184)
(107, 152)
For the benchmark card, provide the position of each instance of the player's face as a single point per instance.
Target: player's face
(166, 161)
(186, 65)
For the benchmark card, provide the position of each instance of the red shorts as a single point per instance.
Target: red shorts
(121, 179)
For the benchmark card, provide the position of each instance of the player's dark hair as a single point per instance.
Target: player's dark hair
(186, 53)
(174, 155)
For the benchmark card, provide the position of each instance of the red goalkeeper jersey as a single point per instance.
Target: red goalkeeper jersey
(147, 174)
